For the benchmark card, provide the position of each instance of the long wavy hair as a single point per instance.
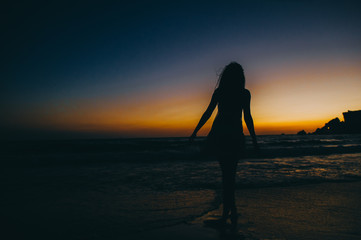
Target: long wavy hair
(231, 79)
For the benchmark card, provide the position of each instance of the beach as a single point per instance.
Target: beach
(317, 211)
(300, 187)
(314, 211)
(127, 120)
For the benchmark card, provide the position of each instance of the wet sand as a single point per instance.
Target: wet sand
(71, 210)
(317, 211)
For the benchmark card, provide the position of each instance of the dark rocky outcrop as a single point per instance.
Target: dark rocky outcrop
(352, 121)
(352, 124)
(303, 132)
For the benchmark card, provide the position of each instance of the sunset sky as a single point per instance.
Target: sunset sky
(148, 69)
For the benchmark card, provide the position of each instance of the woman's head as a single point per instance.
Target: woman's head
(232, 78)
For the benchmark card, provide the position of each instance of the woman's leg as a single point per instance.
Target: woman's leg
(229, 166)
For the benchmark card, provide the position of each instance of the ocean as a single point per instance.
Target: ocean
(104, 188)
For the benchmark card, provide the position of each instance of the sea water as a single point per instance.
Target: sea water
(128, 185)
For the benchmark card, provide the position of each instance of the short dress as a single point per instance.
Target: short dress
(226, 135)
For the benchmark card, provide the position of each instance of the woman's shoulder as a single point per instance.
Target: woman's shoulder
(246, 93)
(216, 92)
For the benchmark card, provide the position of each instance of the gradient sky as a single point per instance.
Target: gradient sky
(148, 69)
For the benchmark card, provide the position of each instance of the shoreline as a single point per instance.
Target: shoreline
(314, 211)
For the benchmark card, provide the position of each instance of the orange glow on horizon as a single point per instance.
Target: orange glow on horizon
(286, 101)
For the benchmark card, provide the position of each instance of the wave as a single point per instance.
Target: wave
(169, 149)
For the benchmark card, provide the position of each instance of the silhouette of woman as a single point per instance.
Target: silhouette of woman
(225, 139)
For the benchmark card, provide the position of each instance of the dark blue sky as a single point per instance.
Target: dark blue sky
(64, 53)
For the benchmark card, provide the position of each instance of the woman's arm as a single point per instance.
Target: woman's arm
(206, 115)
(249, 120)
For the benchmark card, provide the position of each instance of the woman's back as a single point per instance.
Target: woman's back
(230, 107)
